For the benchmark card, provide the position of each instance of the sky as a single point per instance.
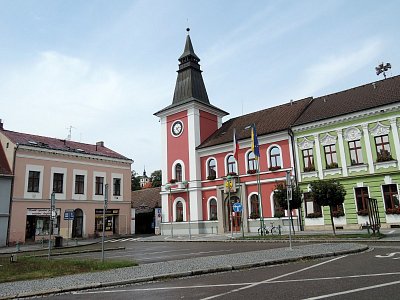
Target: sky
(100, 69)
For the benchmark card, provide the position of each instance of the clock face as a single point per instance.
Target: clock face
(177, 128)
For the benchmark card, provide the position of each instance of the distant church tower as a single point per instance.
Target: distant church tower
(185, 124)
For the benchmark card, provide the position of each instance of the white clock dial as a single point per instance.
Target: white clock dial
(177, 128)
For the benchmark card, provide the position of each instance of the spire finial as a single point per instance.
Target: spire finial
(188, 29)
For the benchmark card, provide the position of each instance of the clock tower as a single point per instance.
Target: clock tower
(185, 124)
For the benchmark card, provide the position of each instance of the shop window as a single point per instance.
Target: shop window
(33, 181)
(58, 180)
(355, 152)
(313, 210)
(117, 187)
(99, 185)
(213, 210)
(330, 156)
(231, 165)
(390, 196)
(361, 200)
(179, 211)
(275, 161)
(79, 184)
(254, 207)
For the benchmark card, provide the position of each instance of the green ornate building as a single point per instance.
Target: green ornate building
(352, 136)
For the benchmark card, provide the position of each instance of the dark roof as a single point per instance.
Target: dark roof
(60, 145)
(4, 166)
(267, 121)
(146, 198)
(371, 95)
(189, 83)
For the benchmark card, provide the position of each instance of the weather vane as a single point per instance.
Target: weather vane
(382, 68)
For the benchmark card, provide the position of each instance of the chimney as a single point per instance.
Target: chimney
(100, 144)
(1, 124)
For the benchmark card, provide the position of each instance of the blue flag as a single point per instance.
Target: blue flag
(254, 142)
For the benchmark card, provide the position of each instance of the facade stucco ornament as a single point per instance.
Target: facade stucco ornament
(380, 129)
(306, 144)
(352, 134)
(328, 139)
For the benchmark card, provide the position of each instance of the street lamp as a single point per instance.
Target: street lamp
(186, 184)
(289, 198)
(168, 188)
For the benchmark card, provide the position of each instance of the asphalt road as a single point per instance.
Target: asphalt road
(370, 275)
(149, 252)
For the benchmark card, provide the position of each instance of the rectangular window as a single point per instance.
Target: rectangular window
(79, 184)
(313, 210)
(99, 185)
(330, 156)
(33, 181)
(390, 196)
(58, 180)
(383, 148)
(117, 186)
(308, 160)
(355, 152)
(361, 198)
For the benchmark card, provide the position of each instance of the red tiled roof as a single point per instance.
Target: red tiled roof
(371, 95)
(4, 166)
(274, 119)
(146, 198)
(60, 145)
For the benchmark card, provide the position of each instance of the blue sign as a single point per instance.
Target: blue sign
(69, 215)
(237, 207)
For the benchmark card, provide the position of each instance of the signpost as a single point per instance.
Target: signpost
(289, 198)
(104, 221)
(69, 215)
(237, 207)
(52, 217)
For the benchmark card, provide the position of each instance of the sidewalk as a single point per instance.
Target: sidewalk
(174, 269)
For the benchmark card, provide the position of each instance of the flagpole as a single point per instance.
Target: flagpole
(236, 155)
(256, 150)
(260, 198)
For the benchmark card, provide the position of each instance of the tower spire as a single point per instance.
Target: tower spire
(189, 84)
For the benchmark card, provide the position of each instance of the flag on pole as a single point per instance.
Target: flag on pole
(254, 142)
(235, 145)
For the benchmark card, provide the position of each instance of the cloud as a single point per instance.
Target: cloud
(56, 91)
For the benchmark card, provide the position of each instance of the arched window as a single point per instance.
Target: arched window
(275, 161)
(179, 211)
(231, 164)
(254, 207)
(178, 172)
(251, 162)
(213, 210)
(211, 166)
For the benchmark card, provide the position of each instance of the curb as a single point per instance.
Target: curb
(185, 273)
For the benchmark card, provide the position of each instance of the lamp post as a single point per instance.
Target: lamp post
(104, 221)
(186, 184)
(168, 188)
(228, 185)
(289, 197)
(52, 217)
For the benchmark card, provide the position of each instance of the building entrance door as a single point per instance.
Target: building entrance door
(232, 218)
(77, 224)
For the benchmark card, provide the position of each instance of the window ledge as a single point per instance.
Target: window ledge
(309, 174)
(385, 164)
(358, 168)
(333, 171)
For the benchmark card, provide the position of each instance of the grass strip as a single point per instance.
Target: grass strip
(28, 268)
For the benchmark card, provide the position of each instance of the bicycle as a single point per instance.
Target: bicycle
(264, 230)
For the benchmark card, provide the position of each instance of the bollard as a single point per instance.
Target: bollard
(279, 229)
(76, 242)
(17, 246)
(13, 258)
(212, 230)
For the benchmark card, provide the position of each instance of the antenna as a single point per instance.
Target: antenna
(382, 68)
(69, 132)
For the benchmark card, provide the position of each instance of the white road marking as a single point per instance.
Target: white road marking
(391, 231)
(234, 284)
(186, 254)
(274, 278)
(388, 255)
(353, 291)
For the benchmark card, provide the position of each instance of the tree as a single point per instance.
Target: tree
(280, 199)
(328, 193)
(156, 178)
(135, 181)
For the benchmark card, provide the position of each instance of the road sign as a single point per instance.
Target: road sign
(237, 207)
(69, 215)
